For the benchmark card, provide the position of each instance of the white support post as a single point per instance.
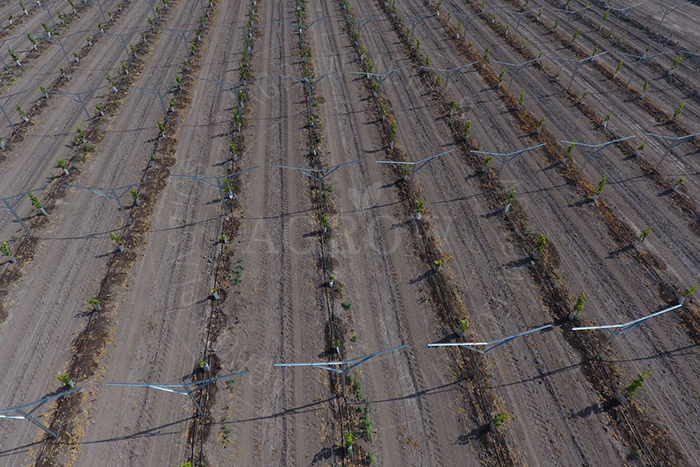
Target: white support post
(482, 348)
(617, 329)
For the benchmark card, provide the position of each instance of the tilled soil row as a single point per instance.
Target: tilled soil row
(680, 84)
(681, 200)
(449, 305)
(24, 252)
(223, 272)
(653, 109)
(89, 345)
(42, 103)
(659, 37)
(20, 19)
(335, 328)
(10, 76)
(618, 230)
(630, 420)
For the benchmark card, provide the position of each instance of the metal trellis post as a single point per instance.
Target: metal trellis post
(617, 329)
(507, 158)
(25, 412)
(482, 348)
(184, 389)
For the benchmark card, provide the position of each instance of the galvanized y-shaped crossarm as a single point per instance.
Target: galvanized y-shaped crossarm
(571, 13)
(516, 67)
(448, 73)
(188, 389)
(644, 58)
(320, 175)
(114, 194)
(623, 12)
(678, 140)
(617, 329)
(579, 63)
(309, 82)
(467, 19)
(219, 183)
(25, 412)
(414, 167)
(342, 367)
(416, 20)
(380, 77)
(668, 10)
(360, 23)
(522, 14)
(596, 148)
(482, 348)
(507, 158)
(11, 202)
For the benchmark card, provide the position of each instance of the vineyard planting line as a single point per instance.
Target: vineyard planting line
(38, 106)
(542, 278)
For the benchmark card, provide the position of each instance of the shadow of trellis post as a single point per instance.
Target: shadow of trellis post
(157, 93)
(182, 34)
(4, 112)
(60, 40)
(233, 88)
(77, 97)
(123, 40)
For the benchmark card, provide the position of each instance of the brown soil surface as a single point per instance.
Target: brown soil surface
(422, 405)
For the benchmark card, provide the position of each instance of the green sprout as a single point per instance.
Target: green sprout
(637, 383)
(644, 234)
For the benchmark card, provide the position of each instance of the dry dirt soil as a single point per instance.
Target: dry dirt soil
(205, 288)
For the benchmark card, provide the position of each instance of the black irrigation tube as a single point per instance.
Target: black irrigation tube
(204, 395)
(423, 230)
(80, 152)
(633, 429)
(115, 257)
(315, 135)
(37, 105)
(9, 72)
